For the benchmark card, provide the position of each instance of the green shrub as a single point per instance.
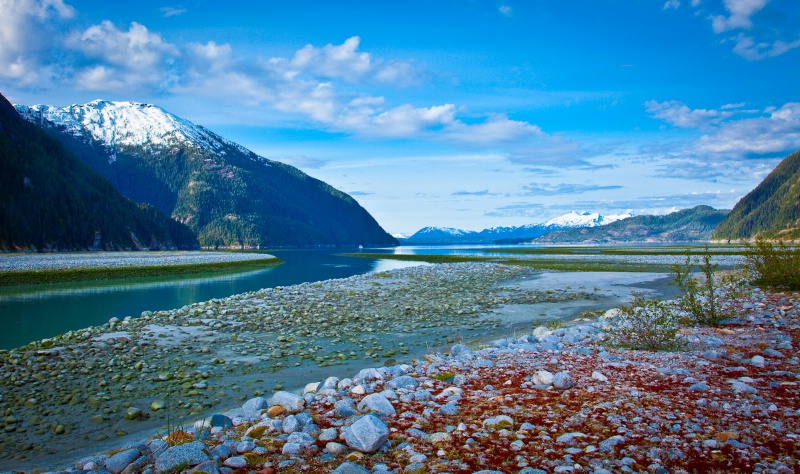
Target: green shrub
(774, 265)
(646, 324)
(709, 300)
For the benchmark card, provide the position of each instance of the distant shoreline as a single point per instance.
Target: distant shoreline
(38, 269)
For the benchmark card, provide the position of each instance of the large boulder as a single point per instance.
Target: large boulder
(367, 434)
(378, 403)
(291, 402)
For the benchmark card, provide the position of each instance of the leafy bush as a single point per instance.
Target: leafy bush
(646, 324)
(709, 300)
(774, 265)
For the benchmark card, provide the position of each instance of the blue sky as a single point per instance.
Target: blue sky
(458, 113)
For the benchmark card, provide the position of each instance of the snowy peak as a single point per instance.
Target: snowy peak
(116, 124)
(441, 231)
(583, 219)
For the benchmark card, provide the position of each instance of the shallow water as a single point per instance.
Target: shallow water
(36, 314)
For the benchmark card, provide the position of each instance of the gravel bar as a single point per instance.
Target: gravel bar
(82, 260)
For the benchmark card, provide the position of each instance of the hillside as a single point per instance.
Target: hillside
(227, 195)
(689, 225)
(770, 210)
(51, 200)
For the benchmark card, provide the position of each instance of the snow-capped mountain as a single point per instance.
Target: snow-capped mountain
(447, 235)
(116, 124)
(584, 219)
(226, 194)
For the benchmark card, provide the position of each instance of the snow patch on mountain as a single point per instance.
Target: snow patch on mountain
(583, 219)
(120, 124)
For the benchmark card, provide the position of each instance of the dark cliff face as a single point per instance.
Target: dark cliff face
(52, 201)
(771, 210)
(230, 197)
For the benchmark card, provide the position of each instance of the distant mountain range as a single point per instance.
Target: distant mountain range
(450, 236)
(50, 200)
(227, 195)
(689, 225)
(771, 210)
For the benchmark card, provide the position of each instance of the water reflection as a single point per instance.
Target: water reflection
(38, 314)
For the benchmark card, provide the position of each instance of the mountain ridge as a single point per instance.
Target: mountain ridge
(228, 195)
(53, 201)
(447, 235)
(687, 225)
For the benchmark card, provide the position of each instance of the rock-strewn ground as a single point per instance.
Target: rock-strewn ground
(550, 401)
(69, 395)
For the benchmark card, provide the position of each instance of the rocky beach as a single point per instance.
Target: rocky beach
(446, 368)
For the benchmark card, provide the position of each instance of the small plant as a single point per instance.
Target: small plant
(774, 265)
(646, 324)
(553, 325)
(443, 376)
(707, 301)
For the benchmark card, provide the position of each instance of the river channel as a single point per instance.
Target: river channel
(40, 313)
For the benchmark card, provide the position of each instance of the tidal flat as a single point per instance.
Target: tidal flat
(93, 389)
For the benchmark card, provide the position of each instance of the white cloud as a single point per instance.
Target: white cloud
(505, 10)
(774, 134)
(133, 58)
(740, 12)
(680, 115)
(674, 4)
(27, 28)
(346, 62)
(747, 48)
(167, 12)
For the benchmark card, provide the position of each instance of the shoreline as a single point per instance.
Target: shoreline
(31, 270)
(200, 335)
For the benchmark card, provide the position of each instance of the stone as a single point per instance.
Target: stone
(367, 434)
(460, 350)
(699, 387)
(235, 462)
(499, 422)
(741, 387)
(369, 374)
(563, 381)
(134, 413)
(118, 462)
(542, 377)
(336, 448)
(290, 424)
(344, 408)
(243, 447)
(293, 403)
(292, 448)
(189, 454)
(599, 377)
(252, 408)
(569, 438)
(311, 387)
(208, 467)
(276, 411)
(221, 421)
(328, 434)
(157, 405)
(404, 381)
(440, 437)
(301, 438)
(758, 361)
(348, 467)
(608, 445)
(378, 403)
(450, 408)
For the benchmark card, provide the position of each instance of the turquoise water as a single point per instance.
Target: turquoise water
(40, 314)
